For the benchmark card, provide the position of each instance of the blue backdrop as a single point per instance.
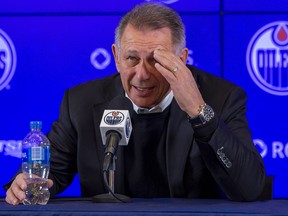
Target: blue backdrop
(49, 46)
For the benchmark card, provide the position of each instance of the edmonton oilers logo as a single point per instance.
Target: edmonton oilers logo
(113, 118)
(267, 58)
(7, 60)
(128, 127)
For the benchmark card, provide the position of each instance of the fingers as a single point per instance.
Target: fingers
(181, 81)
(15, 194)
(50, 183)
(11, 198)
(173, 69)
(168, 64)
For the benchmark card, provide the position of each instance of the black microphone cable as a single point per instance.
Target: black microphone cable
(113, 138)
(105, 173)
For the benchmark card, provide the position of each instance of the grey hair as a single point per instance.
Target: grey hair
(153, 16)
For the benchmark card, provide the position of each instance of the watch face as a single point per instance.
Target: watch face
(208, 113)
(205, 115)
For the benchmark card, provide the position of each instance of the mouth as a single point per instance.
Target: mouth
(143, 91)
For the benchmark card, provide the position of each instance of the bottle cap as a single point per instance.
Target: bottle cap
(36, 125)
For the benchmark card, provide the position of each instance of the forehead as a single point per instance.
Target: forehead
(146, 39)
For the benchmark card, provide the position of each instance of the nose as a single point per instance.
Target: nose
(144, 71)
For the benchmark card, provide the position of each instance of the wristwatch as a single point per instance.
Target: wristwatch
(206, 113)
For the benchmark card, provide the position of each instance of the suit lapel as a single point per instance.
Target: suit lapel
(178, 142)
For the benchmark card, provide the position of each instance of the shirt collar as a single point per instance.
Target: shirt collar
(156, 109)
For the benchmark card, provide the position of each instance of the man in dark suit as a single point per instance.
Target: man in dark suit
(190, 133)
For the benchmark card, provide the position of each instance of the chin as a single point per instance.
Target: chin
(142, 103)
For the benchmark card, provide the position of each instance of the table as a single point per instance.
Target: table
(167, 207)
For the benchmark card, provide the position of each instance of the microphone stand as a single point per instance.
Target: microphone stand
(111, 197)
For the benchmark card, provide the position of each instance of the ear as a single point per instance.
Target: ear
(116, 56)
(184, 55)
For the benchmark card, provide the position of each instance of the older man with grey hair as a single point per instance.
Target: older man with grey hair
(190, 134)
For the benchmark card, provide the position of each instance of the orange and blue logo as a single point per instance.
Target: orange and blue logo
(114, 118)
(267, 58)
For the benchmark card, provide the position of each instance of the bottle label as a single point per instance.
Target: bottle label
(37, 154)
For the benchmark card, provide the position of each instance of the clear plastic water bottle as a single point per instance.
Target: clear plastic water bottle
(36, 164)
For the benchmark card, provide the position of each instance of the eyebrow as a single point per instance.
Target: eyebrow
(132, 52)
(136, 52)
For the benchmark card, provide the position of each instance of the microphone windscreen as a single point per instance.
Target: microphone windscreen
(121, 102)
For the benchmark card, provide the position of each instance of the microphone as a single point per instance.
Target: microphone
(115, 127)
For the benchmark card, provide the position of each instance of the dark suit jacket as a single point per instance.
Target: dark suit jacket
(201, 163)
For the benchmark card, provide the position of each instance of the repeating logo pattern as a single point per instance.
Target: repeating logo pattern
(267, 58)
(7, 60)
(100, 58)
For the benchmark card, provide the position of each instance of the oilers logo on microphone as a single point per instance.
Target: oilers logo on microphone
(267, 58)
(114, 118)
(7, 60)
(128, 127)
